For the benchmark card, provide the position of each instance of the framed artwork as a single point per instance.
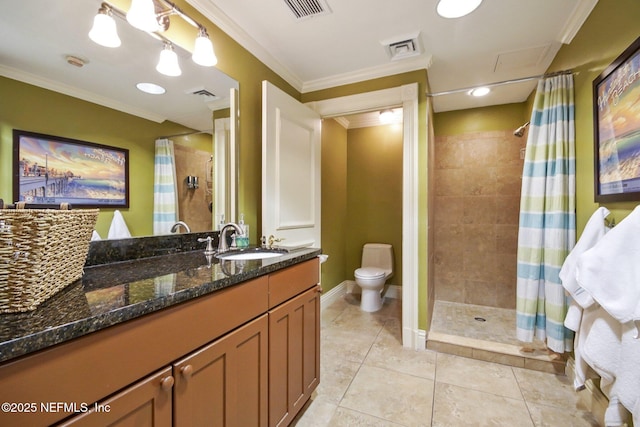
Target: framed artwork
(49, 170)
(616, 118)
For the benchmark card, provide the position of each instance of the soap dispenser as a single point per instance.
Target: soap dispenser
(242, 241)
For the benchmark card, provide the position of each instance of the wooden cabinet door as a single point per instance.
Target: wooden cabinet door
(147, 403)
(225, 382)
(294, 355)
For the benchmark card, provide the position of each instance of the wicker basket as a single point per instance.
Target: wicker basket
(41, 252)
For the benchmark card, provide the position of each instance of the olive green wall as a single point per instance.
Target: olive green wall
(34, 109)
(499, 117)
(374, 193)
(334, 203)
(609, 30)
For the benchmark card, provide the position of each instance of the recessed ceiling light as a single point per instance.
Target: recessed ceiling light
(479, 91)
(151, 88)
(456, 8)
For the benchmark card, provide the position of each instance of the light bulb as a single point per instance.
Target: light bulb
(203, 51)
(142, 15)
(168, 63)
(104, 30)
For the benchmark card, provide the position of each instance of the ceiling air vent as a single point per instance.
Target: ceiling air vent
(308, 8)
(406, 46)
(205, 94)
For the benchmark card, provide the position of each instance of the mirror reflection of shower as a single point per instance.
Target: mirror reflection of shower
(520, 131)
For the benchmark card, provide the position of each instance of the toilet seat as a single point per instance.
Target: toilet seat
(369, 273)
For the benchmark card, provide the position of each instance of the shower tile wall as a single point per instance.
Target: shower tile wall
(477, 199)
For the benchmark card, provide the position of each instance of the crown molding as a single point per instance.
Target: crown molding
(579, 14)
(395, 67)
(233, 30)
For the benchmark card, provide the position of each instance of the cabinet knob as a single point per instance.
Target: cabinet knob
(167, 383)
(319, 289)
(186, 371)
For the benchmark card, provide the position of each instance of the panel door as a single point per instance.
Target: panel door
(290, 169)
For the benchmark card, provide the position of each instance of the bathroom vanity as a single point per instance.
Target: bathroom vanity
(179, 339)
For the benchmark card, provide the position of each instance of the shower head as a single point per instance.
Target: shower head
(520, 131)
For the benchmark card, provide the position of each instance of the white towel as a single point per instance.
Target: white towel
(627, 385)
(594, 230)
(602, 344)
(95, 236)
(118, 228)
(610, 271)
(636, 413)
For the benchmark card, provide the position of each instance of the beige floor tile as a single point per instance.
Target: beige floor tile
(477, 375)
(461, 407)
(389, 395)
(387, 352)
(546, 389)
(349, 345)
(317, 413)
(335, 377)
(548, 416)
(344, 417)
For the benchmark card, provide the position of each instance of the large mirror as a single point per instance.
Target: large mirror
(46, 44)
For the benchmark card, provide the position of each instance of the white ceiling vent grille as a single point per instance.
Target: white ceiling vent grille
(308, 8)
(204, 93)
(406, 46)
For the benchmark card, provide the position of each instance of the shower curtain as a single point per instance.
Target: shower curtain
(165, 189)
(546, 233)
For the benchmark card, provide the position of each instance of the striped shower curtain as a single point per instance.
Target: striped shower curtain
(547, 215)
(165, 189)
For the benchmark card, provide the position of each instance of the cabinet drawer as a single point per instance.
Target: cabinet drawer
(287, 283)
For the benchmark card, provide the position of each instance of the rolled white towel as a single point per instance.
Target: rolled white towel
(95, 236)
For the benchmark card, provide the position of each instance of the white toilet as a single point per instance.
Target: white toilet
(376, 269)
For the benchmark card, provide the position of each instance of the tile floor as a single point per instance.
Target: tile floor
(368, 379)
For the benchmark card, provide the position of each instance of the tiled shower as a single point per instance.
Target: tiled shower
(477, 199)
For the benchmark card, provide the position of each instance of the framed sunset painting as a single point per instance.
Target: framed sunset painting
(49, 170)
(616, 117)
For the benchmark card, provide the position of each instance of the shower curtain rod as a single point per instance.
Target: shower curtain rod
(186, 134)
(505, 82)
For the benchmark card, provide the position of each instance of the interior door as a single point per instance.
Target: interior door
(290, 170)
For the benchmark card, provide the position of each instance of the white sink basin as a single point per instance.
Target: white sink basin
(239, 256)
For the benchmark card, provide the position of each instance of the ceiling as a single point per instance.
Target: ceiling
(36, 42)
(500, 41)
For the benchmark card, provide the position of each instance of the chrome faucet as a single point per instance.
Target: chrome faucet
(223, 246)
(175, 227)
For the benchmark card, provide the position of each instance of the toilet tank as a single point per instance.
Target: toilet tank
(378, 255)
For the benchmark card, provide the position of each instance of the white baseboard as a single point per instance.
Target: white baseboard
(350, 287)
(332, 295)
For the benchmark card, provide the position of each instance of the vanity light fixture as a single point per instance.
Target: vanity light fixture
(456, 8)
(152, 16)
(203, 50)
(104, 30)
(168, 63)
(479, 91)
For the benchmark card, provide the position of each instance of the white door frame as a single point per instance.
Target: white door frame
(407, 97)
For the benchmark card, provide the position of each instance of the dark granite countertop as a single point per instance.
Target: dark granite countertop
(113, 293)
